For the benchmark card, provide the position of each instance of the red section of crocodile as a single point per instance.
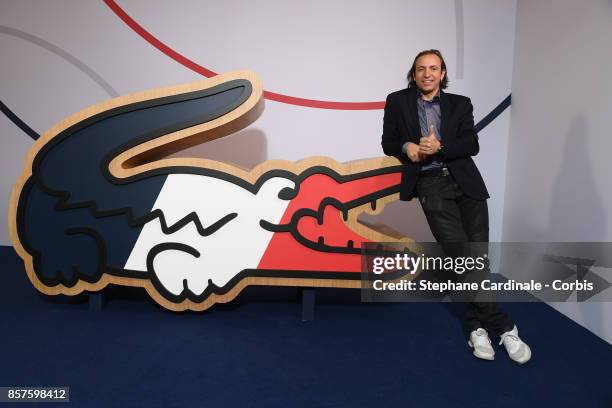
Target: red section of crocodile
(284, 252)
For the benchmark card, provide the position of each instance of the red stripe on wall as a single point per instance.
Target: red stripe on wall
(192, 65)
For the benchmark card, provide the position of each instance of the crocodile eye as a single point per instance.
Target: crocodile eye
(287, 193)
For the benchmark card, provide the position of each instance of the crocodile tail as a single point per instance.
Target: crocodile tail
(76, 161)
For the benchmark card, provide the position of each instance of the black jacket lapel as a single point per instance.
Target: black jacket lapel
(411, 116)
(444, 112)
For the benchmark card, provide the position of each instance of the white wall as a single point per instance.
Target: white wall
(340, 50)
(558, 174)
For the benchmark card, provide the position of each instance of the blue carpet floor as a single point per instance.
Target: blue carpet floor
(255, 352)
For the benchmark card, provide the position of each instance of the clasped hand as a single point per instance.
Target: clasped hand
(428, 145)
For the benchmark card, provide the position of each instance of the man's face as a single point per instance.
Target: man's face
(428, 73)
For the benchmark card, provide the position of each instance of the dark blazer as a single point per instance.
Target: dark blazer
(401, 124)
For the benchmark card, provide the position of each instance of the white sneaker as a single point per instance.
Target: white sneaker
(516, 348)
(480, 342)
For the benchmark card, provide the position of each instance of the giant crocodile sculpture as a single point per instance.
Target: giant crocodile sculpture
(99, 202)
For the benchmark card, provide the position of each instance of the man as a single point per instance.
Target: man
(432, 133)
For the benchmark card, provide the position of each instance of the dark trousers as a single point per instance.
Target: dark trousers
(456, 218)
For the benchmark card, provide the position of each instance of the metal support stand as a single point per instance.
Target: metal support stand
(308, 304)
(96, 302)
